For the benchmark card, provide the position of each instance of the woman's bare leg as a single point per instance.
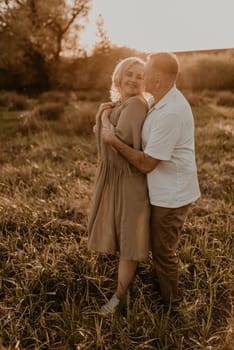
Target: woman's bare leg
(126, 273)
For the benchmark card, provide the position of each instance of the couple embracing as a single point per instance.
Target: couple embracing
(146, 177)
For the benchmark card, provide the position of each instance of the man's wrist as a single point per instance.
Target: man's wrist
(115, 141)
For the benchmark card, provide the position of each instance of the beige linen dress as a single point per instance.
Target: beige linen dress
(120, 210)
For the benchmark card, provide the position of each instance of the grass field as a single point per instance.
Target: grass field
(51, 286)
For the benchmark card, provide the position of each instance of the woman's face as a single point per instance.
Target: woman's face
(132, 82)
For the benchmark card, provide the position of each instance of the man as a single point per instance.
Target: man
(168, 159)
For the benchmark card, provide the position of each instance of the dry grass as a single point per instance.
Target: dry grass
(226, 98)
(195, 99)
(13, 101)
(75, 118)
(51, 286)
(207, 71)
(54, 96)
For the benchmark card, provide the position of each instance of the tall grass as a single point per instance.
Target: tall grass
(206, 71)
(199, 70)
(51, 286)
(226, 98)
(13, 101)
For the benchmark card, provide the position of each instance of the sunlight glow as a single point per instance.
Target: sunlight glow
(153, 25)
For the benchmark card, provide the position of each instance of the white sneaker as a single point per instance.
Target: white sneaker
(110, 307)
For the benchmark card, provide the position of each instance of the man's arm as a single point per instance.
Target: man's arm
(143, 162)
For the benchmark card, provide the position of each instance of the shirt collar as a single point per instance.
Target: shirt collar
(164, 100)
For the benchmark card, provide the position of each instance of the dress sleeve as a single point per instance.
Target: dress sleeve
(131, 120)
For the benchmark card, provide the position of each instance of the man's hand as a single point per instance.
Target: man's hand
(143, 162)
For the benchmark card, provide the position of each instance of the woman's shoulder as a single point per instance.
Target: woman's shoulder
(136, 100)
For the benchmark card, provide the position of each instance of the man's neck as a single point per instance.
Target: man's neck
(160, 94)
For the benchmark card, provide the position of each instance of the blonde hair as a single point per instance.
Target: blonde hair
(117, 75)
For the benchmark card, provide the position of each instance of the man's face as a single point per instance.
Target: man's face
(150, 78)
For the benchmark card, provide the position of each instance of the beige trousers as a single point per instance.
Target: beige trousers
(166, 224)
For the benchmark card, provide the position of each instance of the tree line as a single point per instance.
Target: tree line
(40, 50)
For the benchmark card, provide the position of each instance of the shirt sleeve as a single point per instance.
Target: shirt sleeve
(163, 137)
(130, 122)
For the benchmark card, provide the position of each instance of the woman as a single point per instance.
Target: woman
(119, 216)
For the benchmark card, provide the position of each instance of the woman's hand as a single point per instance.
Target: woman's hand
(104, 106)
(108, 134)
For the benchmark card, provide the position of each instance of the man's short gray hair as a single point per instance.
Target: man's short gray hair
(165, 62)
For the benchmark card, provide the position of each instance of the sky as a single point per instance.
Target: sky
(164, 25)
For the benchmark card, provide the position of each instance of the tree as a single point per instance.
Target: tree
(104, 44)
(36, 32)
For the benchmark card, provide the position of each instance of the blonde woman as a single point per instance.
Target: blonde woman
(120, 211)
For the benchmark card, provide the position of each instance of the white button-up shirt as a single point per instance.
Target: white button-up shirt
(168, 135)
